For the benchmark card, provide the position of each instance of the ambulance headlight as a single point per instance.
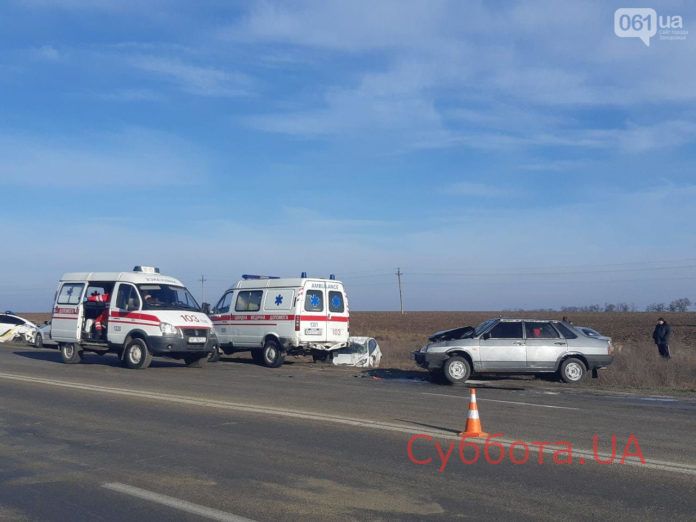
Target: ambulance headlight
(168, 329)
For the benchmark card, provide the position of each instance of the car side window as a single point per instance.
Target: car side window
(314, 301)
(507, 330)
(539, 330)
(127, 298)
(566, 332)
(12, 320)
(248, 301)
(70, 293)
(224, 303)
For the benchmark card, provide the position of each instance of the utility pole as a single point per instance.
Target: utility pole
(399, 273)
(202, 280)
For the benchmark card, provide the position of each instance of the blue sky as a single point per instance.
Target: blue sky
(503, 155)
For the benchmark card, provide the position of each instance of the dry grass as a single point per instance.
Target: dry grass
(636, 365)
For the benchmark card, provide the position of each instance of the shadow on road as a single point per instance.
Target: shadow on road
(92, 358)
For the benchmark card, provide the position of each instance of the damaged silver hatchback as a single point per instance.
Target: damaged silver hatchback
(513, 346)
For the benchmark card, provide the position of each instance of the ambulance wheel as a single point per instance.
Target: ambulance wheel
(456, 369)
(214, 355)
(273, 356)
(70, 354)
(196, 361)
(257, 355)
(136, 355)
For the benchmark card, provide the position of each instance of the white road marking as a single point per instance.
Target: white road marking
(181, 505)
(662, 465)
(505, 402)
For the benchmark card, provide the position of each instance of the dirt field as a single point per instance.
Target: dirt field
(636, 366)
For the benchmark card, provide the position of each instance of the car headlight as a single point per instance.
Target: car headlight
(168, 329)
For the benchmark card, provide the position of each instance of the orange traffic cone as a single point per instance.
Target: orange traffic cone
(473, 421)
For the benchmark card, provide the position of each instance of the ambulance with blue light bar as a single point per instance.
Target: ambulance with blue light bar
(273, 317)
(137, 315)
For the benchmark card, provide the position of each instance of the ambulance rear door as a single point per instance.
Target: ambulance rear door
(337, 317)
(66, 322)
(313, 316)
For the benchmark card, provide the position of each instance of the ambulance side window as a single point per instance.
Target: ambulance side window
(314, 301)
(249, 301)
(127, 298)
(224, 303)
(70, 293)
(336, 305)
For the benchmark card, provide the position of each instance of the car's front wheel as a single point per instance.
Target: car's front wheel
(38, 340)
(456, 369)
(137, 356)
(572, 370)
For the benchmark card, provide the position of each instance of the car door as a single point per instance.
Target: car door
(6, 324)
(313, 323)
(66, 322)
(544, 345)
(502, 348)
(221, 318)
(337, 318)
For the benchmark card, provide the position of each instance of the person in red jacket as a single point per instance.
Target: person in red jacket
(100, 321)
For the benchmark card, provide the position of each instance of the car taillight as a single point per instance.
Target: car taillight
(297, 323)
(610, 348)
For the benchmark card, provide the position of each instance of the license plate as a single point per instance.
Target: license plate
(196, 340)
(312, 331)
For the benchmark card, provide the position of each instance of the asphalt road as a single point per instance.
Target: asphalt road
(236, 441)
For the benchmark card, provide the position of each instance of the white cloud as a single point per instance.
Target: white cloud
(134, 157)
(195, 79)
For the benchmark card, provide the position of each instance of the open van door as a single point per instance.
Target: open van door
(66, 322)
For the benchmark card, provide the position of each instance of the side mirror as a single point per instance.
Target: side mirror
(205, 308)
(486, 336)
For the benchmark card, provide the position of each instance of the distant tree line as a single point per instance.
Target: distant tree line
(678, 305)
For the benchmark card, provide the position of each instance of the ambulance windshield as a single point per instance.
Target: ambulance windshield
(167, 297)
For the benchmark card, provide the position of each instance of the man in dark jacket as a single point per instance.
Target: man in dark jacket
(661, 336)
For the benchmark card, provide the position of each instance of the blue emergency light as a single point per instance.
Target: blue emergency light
(252, 276)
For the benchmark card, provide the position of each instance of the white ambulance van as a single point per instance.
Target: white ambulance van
(274, 317)
(134, 314)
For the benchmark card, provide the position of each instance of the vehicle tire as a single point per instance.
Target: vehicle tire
(70, 354)
(456, 369)
(38, 340)
(136, 356)
(196, 361)
(215, 354)
(257, 355)
(572, 370)
(272, 355)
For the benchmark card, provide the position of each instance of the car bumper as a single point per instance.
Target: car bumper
(599, 361)
(429, 361)
(176, 346)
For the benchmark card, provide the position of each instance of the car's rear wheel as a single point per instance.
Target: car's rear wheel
(70, 354)
(272, 355)
(572, 370)
(137, 356)
(456, 369)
